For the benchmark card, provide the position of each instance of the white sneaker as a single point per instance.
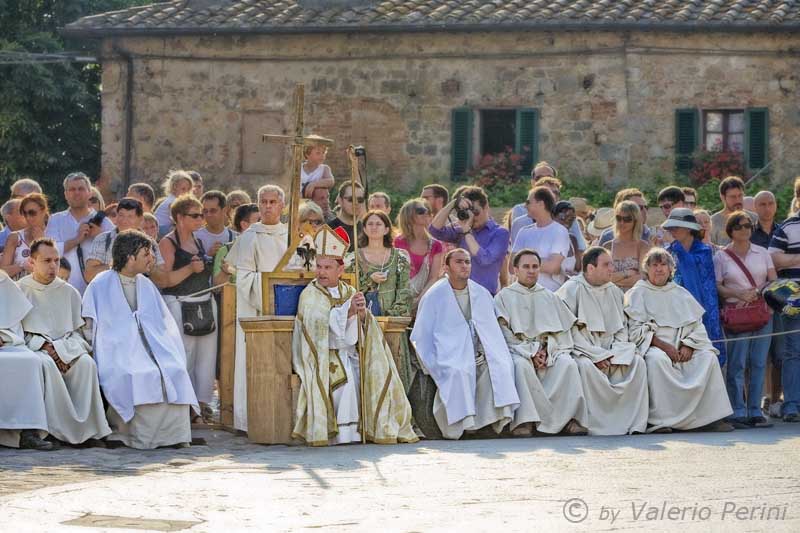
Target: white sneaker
(775, 409)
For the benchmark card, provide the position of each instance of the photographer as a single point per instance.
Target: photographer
(474, 230)
(185, 257)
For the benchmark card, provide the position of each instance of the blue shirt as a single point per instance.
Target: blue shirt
(4, 237)
(786, 239)
(493, 240)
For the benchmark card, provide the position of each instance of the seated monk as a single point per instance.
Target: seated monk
(325, 354)
(138, 350)
(536, 325)
(666, 323)
(613, 374)
(74, 406)
(23, 417)
(460, 345)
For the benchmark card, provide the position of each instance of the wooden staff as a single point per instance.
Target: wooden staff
(355, 177)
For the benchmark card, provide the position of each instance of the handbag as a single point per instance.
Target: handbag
(373, 303)
(743, 317)
(198, 318)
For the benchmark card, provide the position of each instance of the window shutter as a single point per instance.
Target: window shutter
(686, 138)
(461, 143)
(527, 137)
(756, 145)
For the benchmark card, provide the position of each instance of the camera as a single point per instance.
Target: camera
(359, 151)
(461, 213)
(97, 219)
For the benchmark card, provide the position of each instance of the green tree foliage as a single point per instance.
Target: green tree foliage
(49, 112)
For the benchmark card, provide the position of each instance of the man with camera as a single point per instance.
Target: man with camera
(474, 230)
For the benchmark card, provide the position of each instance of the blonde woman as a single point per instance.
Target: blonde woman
(424, 251)
(627, 248)
(178, 183)
(96, 200)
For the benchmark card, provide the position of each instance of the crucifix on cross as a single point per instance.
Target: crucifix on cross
(297, 141)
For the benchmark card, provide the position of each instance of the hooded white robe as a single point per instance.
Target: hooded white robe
(74, 405)
(616, 398)
(682, 395)
(257, 250)
(140, 360)
(530, 318)
(470, 394)
(21, 377)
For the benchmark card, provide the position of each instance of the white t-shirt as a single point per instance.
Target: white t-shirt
(210, 239)
(63, 227)
(547, 241)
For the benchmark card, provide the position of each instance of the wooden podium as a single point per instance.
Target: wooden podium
(272, 387)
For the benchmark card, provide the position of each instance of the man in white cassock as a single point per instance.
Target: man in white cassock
(325, 354)
(138, 350)
(23, 417)
(460, 345)
(74, 406)
(687, 390)
(536, 325)
(257, 250)
(613, 374)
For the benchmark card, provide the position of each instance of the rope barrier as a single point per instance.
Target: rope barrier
(751, 337)
(204, 291)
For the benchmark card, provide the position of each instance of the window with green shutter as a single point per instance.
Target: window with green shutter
(527, 138)
(461, 143)
(756, 149)
(686, 142)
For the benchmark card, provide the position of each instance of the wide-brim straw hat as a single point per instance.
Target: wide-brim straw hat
(682, 217)
(582, 206)
(603, 219)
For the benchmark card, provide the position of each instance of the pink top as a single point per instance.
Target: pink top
(758, 262)
(417, 260)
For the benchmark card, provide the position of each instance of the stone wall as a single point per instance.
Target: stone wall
(606, 100)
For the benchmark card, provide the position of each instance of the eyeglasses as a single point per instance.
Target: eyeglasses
(665, 207)
(690, 204)
(359, 199)
(627, 219)
(315, 222)
(94, 200)
(30, 213)
(421, 211)
(737, 227)
(194, 215)
(642, 207)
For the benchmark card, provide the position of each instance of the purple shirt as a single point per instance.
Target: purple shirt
(493, 240)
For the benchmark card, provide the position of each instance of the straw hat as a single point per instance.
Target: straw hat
(582, 207)
(682, 217)
(603, 219)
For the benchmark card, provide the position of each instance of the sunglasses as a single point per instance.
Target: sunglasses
(194, 215)
(359, 199)
(737, 227)
(665, 207)
(421, 211)
(315, 222)
(30, 213)
(94, 200)
(627, 219)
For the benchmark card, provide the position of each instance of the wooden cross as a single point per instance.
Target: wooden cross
(297, 142)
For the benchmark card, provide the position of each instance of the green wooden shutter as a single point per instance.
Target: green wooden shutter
(686, 138)
(756, 144)
(461, 143)
(527, 137)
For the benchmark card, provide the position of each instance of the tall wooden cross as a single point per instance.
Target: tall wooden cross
(297, 142)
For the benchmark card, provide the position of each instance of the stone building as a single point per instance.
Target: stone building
(624, 89)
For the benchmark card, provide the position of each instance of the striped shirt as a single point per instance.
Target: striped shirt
(786, 239)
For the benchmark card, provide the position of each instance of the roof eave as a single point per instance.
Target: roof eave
(728, 27)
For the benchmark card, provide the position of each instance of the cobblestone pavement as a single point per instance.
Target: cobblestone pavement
(746, 480)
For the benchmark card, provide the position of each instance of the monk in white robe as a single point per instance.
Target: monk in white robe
(536, 325)
(687, 390)
(257, 250)
(138, 351)
(460, 345)
(613, 374)
(75, 412)
(23, 417)
(325, 356)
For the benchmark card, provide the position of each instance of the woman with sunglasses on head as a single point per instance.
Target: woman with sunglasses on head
(195, 316)
(424, 251)
(17, 252)
(627, 248)
(735, 287)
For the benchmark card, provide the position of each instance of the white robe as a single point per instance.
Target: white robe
(682, 395)
(257, 250)
(21, 377)
(136, 351)
(343, 337)
(528, 318)
(74, 405)
(443, 340)
(617, 397)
